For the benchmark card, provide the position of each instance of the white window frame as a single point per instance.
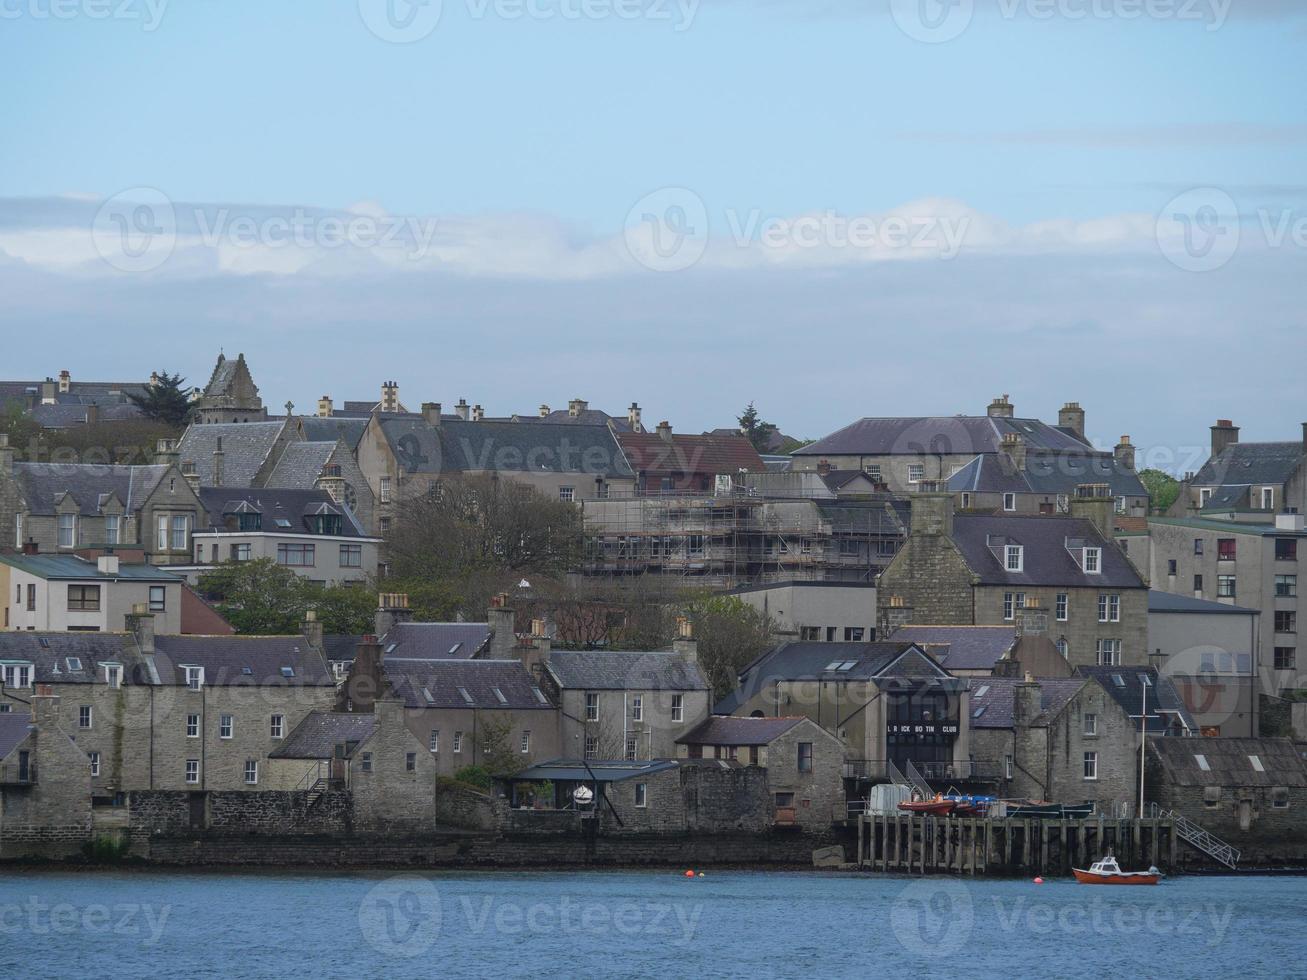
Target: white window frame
(1062, 607)
(194, 677)
(1268, 498)
(1092, 562)
(113, 676)
(226, 726)
(567, 494)
(591, 746)
(916, 472)
(637, 707)
(251, 772)
(591, 705)
(71, 529)
(458, 743)
(1091, 767)
(433, 741)
(277, 726)
(641, 796)
(1014, 558)
(1090, 725)
(113, 529)
(384, 491)
(1009, 501)
(161, 592)
(179, 536)
(95, 763)
(85, 717)
(1109, 648)
(1009, 764)
(526, 742)
(678, 707)
(192, 726)
(18, 532)
(192, 772)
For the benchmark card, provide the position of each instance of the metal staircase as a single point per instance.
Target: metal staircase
(919, 781)
(1209, 844)
(894, 775)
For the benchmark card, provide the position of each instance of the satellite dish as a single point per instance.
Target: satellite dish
(583, 795)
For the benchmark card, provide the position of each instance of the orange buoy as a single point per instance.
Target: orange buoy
(1039, 881)
(689, 874)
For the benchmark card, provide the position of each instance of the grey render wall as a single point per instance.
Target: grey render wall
(542, 725)
(655, 736)
(1193, 648)
(794, 606)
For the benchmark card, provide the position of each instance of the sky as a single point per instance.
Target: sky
(830, 208)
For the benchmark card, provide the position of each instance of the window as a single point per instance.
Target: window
(567, 493)
(632, 748)
(1109, 608)
(385, 489)
(410, 761)
(1225, 586)
(694, 544)
(240, 552)
(194, 677)
(591, 706)
(850, 547)
(678, 707)
(225, 726)
(1286, 549)
(591, 746)
(966, 500)
(277, 726)
(17, 675)
(805, 757)
(1268, 498)
(67, 530)
(1286, 621)
(1225, 549)
(113, 675)
(1060, 605)
(351, 556)
(1093, 561)
(433, 740)
(365, 762)
(1108, 653)
(1280, 797)
(192, 726)
(916, 472)
(383, 525)
(1120, 505)
(192, 770)
(296, 555)
(180, 525)
(18, 532)
(158, 598)
(1198, 546)
(1198, 583)
(873, 472)
(83, 598)
(112, 528)
(458, 742)
(95, 763)
(1204, 495)
(1013, 601)
(1286, 586)
(1091, 725)
(1256, 763)
(526, 743)
(637, 708)
(1009, 501)
(1091, 765)
(1202, 762)
(1014, 557)
(1170, 566)
(1286, 658)
(1007, 766)
(641, 795)
(853, 634)
(1062, 646)
(84, 716)
(251, 772)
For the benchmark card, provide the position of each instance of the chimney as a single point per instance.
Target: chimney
(1014, 447)
(332, 482)
(431, 413)
(312, 629)
(1093, 502)
(478, 413)
(165, 452)
(895, 614)
(47, 392)
(45, 708)
(191, 474)
(1032, 620)
(664, 431)
(325, 407)
(1072, 416)
(502, 620)
(366, 681)
(30, 547)
(390, 397)
(823, 467)
(1125, 454)
(932, 511)
(1027, 702)
(576, 406)
(544, 411)
(1224, 433)
(6, 454)
(461, 409)
(633, 418)
(92, 413)
(140, 623)
(685, 645)
(1304, 437)
(108, 564)
(534, 650)
(1000, 408)
(392, 609)
(218, 456)
(65, 382)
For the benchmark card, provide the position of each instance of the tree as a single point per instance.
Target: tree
(758, 432)
(344, 609)
(164, 400)
(1162, 488)
(497, 751)
(262, 597)
(730, 634)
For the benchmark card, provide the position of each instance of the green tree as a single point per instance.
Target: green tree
(259, 597)
(164, 401)
(1162, 488)
(344, 609)
(730, 633)
(755, 429)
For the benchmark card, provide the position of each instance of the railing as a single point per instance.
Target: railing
(918, 781)
(925, 772)
(317, 773)
(1208, 843)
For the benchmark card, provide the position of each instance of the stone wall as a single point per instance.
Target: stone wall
(934, 582)
(460, 805)
(169, 813)
(397, 791)
(52, 814)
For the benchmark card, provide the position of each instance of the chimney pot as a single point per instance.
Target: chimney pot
(665, 431)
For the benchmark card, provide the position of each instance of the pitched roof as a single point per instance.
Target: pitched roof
(300, 465)
(436, 641)
(688, 456)
(992, 698)
(1047, 473)
(1126, 685)
(1229, 761)
(74, 658)
(961, 647)
(317, 736)
(442, 683)
(317, 429)
(246, 446)
(588, 416)
(14, 727)
(616, 670)
(1168, 602)
(238, 661)
(341, 647)
(1243, 463)
(964, 435)
(295, 507)
(1046, 559)
(726, 730)
(71, 567)
(91, 486)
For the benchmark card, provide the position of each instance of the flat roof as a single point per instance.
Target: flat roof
(72, 567)
(1169, 602)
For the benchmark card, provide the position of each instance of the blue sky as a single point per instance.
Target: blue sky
(528, 141)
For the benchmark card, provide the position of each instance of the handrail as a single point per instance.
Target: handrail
(1203, 840)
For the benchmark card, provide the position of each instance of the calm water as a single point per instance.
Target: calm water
(641, 924)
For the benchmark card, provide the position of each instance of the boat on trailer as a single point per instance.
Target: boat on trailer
(1108, 872)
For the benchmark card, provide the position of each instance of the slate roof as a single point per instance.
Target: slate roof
(1244, 463)
(435, 641)
(317, 429)
(317, 736)
(1168, 602)
(950, 434)
(961, 647)
(413, 680)
(689, 456)
(590, 416)
(66, 414)
(998, 693)
(43, 485)
(508, 447)
(71, 567)
(295, 506)
(724, 730)
(341, 647)
(13, 730)
(1047, 473)
(300, 465)
(226, 658)
(246, 446)
(1164, 703)
(1229, 527)
(839, 479)
(1229, 763)
(615, 670)
(50, 653)
(981, 537)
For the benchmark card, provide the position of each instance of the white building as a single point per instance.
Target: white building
(64, 593)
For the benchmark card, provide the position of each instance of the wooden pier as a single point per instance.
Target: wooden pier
(916, 843)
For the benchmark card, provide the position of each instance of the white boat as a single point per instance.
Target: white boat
(1108, 872)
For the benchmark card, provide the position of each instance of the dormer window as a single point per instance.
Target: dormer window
(194, 677)
(1009, 501)
(250, 522)
(332, 524)
(113, 675)
(1014, 557)
(1092, 562)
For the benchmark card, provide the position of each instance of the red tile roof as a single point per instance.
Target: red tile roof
(689, 460)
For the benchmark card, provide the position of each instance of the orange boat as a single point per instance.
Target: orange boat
(1108, 872)
(939, 806)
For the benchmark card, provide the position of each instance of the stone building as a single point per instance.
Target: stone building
(1065, 740)
(1246, 480)
(667, 462)
(804, 762)
(66, 593)
(45, 781)
(986, 651)
(980, 569)
(230, 395)
(60, 402)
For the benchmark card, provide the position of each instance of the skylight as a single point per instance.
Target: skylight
(1257, 763)
(247, 671)
(984, 688)
(281, 522)
(454, 649)
(540, 695)
(834, 665)
(1118, 680)
(1202, 762)
(74, 663)
(848, 665)
(979, 711)
(1145, 680)
(426, 693)
(288, 672)
(466, 697)
(499, 695)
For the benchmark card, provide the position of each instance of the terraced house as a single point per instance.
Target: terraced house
(1246, 480)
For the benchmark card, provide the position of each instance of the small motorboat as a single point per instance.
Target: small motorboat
(1051, 811)
(1108, 872)
(939, 806)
